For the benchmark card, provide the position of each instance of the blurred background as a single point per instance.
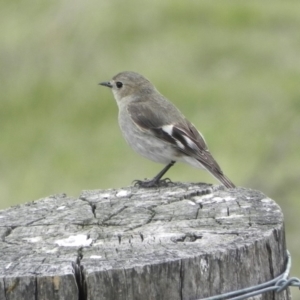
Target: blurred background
(232, 67)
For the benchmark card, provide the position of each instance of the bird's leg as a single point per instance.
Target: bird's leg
(155, 180)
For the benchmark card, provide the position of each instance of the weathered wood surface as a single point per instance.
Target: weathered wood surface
(184, 241)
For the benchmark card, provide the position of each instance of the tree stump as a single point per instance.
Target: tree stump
(180, 241)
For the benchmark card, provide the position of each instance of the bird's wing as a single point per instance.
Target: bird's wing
(195, 146)
(181, 134)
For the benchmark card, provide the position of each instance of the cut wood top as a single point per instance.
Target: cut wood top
(131, 227)
(115, 224)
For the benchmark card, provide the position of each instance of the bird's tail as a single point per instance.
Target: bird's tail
(214, 169)
(223, 179)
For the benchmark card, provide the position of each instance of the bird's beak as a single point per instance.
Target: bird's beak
(106, 83)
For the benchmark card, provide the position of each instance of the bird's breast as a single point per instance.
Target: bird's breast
(145, 143)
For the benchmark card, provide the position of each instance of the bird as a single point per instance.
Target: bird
(157, 130)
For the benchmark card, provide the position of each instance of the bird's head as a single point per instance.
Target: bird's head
(127, 84)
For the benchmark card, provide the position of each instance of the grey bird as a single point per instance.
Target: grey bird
(157, 130)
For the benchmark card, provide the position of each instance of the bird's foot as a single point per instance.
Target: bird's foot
(152, 182)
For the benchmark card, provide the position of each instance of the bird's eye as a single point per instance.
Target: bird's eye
(119, 84)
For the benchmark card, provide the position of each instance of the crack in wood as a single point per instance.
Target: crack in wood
(199, 208)
(113, 214)
(37, 220)
(6, 233)
(152, 216)
(79, 276)
(189, 237)
(181, 276)
(142, 236)
(217, 221)
(250, 222)
(270, 259)
(143, 224)
(93, 206)
(269, 250)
